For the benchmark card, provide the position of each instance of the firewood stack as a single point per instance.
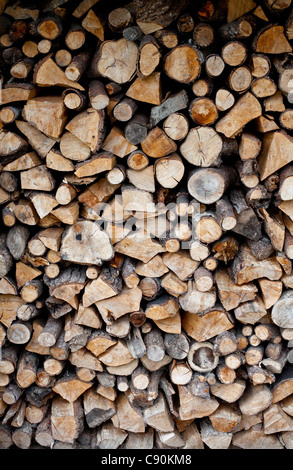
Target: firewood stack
(146, 192)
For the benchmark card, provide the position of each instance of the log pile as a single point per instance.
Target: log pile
(146, 191)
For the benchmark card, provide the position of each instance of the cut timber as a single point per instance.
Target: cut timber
(276, 420)
(201, 357)
(182, 64)
(127, 417)
(170, 325)
(225, 214)
(11, 143)
(117, 355)
(67, 285)
(27, 369)
(214, 439)
(271, 291)
(37, 178)
(176, 126)
(214, 65)
(206, 325)
(158, 416)
(283, 386)
(255, 438)
(49, 28)
(286, 180)
(143, 179)
(272, 40)
(17, 92)
(56, 161)
(9, 304)
(287, 208)
(229, 393)
(98, 96)
(206, 227)
(180, 373)
(141, 248)
(264, 87)
(99, 343)
(97, 409)
(43, 434)
(43, 202)
(40, 143)
(157, 144)
(48, 114)
(16, 240)
(92, 24)
(119, 18)
(191, 406)
(73, 148)
(156, 15)
(238, 8)
(240, 79)
(66, 419)
(124, 370)
(274, 227)
(207, 185)
(70, 388)
(134, 199)
(194, 301)
(165, 307)
(136, 129)
(146, 256)
(177, 346)
(170, 105)
(260, 65)
(245, 267)
(202, 147)
(78, 238)
(73, 99)
(83, 7)
(225, 418)
(47, 73)
(282, 311)
(117, 60)
(149, 56)
(22, 436)
(19, 333)
(234, 53)
(180, 263)
(109, 437)
(147, 90)
(255, 399)
(117, 144)
(127, 301)
(246, 109)
(87, 316)
(224, 99)
(251, 312)
(88, 126)
(231, 294)
(25, 162)
(276, 152)
(108, 284)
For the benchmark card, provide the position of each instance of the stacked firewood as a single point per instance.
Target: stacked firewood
(146, 191)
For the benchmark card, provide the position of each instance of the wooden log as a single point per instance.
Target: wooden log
(233, 121)
(66, 419)
(208, 185)
(214, 65)
(182, 64)
(43, 435)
